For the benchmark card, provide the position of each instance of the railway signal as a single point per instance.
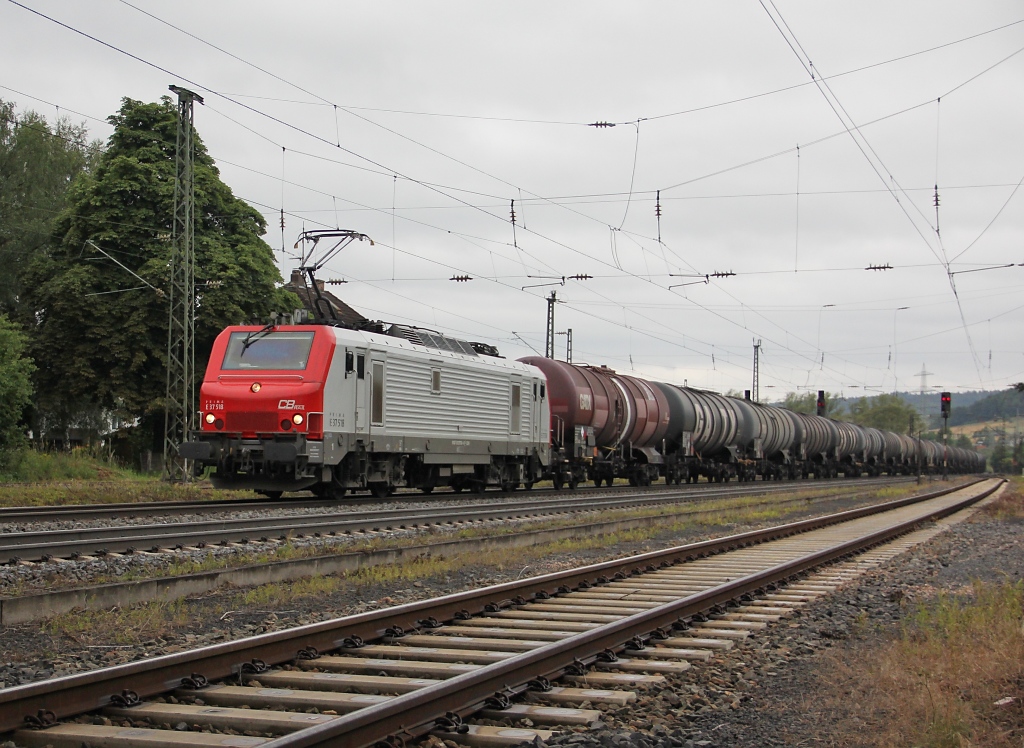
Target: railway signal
(947, 403)
(821, 402)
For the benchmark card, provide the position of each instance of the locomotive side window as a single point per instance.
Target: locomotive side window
(435, 381)
(360, 366)
(517, 409)
(268, 350)
(377, 402)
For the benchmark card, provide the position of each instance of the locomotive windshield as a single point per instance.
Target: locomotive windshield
(269, 350)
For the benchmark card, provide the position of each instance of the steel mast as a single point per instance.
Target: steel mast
(179, 401)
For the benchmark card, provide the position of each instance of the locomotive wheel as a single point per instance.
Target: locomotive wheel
(573, 483)
(380, 490)
(528, 486)
(457, 487)
(479, 488)
(426, 489)
(508, 486)
(557, 483)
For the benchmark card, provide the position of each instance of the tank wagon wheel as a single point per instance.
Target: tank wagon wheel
(528, 486)
(557, 482)
(426, 489)
(380, 490)
(573, 482)
(272, 495)
(479, 487)
(508, 486)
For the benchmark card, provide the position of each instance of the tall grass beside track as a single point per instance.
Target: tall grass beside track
(953, 676)
(81, 476)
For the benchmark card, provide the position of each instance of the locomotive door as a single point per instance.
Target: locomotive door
(535, 424)
(361, 394)
(375, 385)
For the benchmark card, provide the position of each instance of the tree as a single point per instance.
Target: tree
(37, 165)
(963, 441)
(99, 333)
(1001, 459)
(15, 386)
(808, 403)
(886, 412)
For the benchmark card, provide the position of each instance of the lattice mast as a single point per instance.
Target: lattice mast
(180, 401)
(549, 337)
(756, 384)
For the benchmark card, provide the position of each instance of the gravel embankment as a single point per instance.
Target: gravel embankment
(74, 645)
(29, 578)
(765, 692)
(759, 694)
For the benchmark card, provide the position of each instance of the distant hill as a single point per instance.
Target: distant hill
(995, 406)
(928, 404)
(968, 407)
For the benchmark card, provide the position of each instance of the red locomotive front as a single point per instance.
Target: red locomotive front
(261, 406)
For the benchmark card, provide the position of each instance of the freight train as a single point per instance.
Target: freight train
(331, 409)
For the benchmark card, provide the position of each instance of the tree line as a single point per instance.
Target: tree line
(83, 342)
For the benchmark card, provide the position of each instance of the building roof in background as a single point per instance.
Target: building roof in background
(345, 313)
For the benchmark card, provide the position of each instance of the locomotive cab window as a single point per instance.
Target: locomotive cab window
(360, 366)
(267, 350)
(435, 381)
(516, 414)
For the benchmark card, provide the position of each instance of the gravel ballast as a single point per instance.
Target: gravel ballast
(760, 693)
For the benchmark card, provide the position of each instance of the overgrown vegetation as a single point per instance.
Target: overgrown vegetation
(1011, 504)
(82, 476)
(945, 681)
(155, 619)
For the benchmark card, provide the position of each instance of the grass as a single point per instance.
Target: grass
(937, 684)
(34, 478)
(30, 465)
(1009, 506)
(121, 626)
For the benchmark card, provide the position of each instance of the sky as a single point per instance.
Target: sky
(787, 145)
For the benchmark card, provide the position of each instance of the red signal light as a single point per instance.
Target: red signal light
(947, 403)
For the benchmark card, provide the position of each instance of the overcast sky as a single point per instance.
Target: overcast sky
(418, 123)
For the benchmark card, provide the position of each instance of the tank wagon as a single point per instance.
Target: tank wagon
(606, 425)
(292, 407)
(333, 409)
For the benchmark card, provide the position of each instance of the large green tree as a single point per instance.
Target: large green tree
(38, 163)
(99, 333)
(807, 402)
(886, 412)
(15, 387)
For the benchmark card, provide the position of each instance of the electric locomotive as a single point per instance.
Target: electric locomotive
(314, 406)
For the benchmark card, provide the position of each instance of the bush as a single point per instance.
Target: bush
(15, 389)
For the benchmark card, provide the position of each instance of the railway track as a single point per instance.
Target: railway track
(88, 512)
(130, 538)
(451, 664)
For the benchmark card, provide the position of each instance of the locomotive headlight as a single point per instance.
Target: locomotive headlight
(256, 387)
(297, 419)
(210, 418)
